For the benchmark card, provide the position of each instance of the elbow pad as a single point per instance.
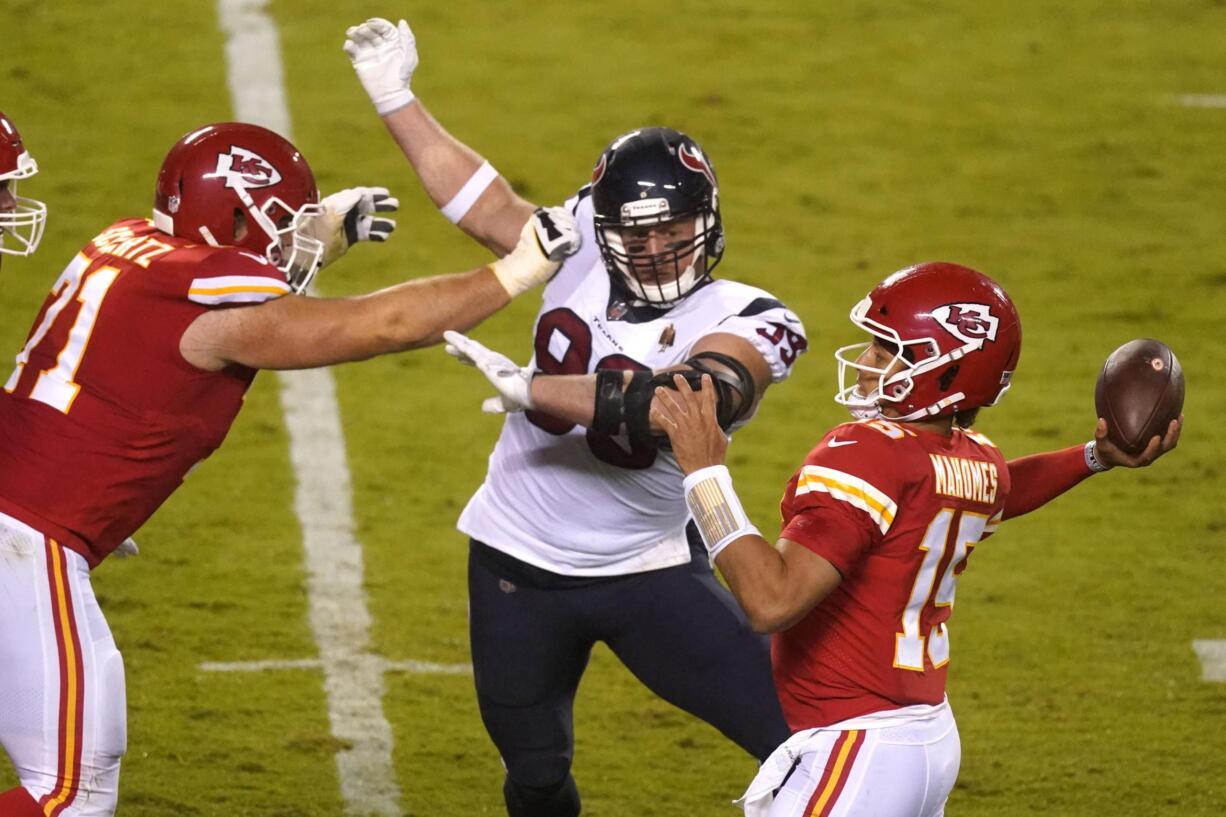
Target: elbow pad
(620, 402)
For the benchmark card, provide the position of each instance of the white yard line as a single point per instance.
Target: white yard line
(353, 678)
(1212, 656)
(1201, 100)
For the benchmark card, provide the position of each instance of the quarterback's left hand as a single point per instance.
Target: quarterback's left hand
(514, 383)
(350, 216)
(1111, 455)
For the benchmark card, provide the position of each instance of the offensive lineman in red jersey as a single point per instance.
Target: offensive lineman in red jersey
(21, 219)
(133, 371)
(878, 523)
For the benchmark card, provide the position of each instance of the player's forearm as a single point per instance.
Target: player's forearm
(573, 397)
(296, 332)
(416, 313)
(445, 165)
(1040, 478)
(758, 577)
(567, 397)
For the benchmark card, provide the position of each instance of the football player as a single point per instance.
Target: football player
(133, 372)
(578, 534)
(878, 524)
(21, 219)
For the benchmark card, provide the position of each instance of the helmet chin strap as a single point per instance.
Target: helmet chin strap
(929, 411)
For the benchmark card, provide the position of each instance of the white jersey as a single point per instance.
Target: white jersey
(579, 503)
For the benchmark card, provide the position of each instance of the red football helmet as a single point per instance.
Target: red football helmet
(955, 332)
(21, 220)
(221, 178)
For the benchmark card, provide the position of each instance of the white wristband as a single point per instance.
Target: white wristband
(716, 509)
(394, 102)
(1092, 460)
(464, 200)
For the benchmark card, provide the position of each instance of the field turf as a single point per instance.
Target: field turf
(1045, 143)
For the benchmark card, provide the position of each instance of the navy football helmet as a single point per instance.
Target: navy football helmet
(656, 203)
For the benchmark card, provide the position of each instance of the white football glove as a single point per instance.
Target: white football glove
(514, 383)
(384, 57)
(127, 548)
(547, 238)
(350, 216)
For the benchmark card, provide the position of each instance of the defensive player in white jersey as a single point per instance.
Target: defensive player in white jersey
(579, 531)
(878, 523)
(21, 219)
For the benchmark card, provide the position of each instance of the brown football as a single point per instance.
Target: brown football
(1139, 392)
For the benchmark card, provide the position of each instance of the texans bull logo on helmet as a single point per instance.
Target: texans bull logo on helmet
(692, 159)
(243, 168)
(968, 322)
(598, 170)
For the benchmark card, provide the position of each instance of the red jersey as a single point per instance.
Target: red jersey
(897, 511)
(102, 417)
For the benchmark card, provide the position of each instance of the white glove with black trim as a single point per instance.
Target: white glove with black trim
(384, 56)
(350, 216)
(547, 238)
(514, 383)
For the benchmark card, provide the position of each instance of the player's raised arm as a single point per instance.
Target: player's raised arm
(298, 332)
(461, 183)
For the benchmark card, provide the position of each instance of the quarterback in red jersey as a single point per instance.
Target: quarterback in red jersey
(878, 523)
(21, 219)
(133, 371)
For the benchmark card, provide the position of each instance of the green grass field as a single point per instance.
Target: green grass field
(1041, 142)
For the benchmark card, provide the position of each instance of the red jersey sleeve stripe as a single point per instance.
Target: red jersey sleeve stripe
(850, 489)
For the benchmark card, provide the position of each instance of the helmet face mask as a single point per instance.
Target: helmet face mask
(290, 247)
(22, 220)
(656, 211)
(954, 339)
(670, 272)
(21, 227)
(216, 171)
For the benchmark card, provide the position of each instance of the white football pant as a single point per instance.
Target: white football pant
(63, 717)
(901, 770)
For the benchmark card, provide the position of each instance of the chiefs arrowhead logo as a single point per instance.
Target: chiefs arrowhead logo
(968, 322)
(242, 168)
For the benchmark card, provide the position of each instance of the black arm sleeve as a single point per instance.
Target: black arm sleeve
(620, 402)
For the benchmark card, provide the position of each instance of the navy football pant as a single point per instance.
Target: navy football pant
(677, 629)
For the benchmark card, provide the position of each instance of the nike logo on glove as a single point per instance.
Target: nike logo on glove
(838, 443)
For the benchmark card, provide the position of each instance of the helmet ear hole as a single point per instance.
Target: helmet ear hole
(947, 377)
(240, 225)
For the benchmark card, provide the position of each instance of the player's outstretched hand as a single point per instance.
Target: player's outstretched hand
(384, 56)
(1111, 455)
(127, 548)
(350, 216)
(546, 239)
(689, 419)
(513, 383)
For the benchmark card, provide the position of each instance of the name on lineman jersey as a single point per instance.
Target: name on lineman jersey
(140, 250)
(959, 477)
